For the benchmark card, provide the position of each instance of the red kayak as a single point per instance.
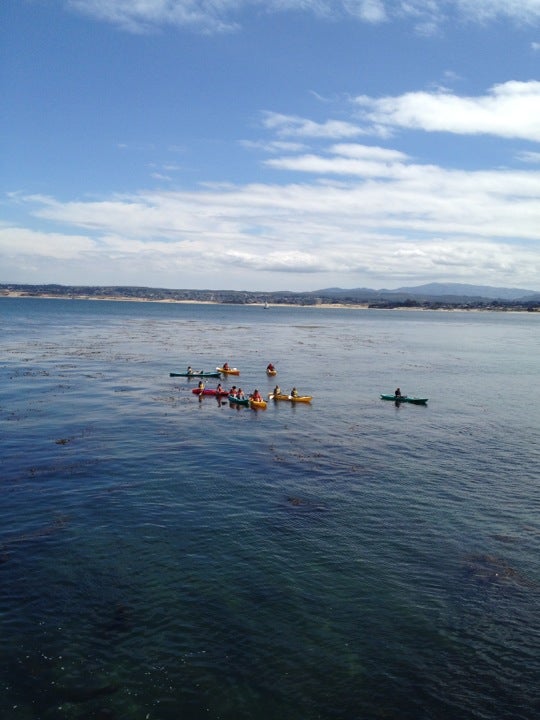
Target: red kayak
(210, 391)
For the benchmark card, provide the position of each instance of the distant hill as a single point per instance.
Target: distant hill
(435, 290)
(461, 289)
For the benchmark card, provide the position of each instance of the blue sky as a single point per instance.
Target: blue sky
(270, 145)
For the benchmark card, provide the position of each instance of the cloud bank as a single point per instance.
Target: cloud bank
(227, 15)
(355, 211)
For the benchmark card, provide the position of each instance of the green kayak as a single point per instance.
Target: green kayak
(196, 373)
(405, 398)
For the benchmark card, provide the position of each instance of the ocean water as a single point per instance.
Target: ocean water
(163, 557)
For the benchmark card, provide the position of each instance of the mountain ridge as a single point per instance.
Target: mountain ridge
(442, 290)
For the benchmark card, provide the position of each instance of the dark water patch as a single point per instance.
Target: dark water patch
(489, 570)
(56, 525)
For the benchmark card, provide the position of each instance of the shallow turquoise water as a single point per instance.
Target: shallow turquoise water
(162, 557)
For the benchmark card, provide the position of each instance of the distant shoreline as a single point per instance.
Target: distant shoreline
(320, 305)
(114, 298)
(171, 301)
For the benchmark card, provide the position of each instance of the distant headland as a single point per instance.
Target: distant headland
(435, 296)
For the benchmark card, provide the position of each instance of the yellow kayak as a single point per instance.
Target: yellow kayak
(290, 398)
(257, 404)
(228, 371)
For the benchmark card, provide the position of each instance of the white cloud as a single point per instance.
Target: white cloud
(365, 212)
(525, 11)
(529, 157)
(510, 110)
(226, 15)
(273, 146)
(294, 126)
(16, 241)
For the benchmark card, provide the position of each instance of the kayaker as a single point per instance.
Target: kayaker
(277, 390)
(240, 394)
(294, 392)
(256, 396)
(226, 366)
(232, 391)
(270, 367)
(201, 385)
(189, 370)
(397, 392)
(219, 389)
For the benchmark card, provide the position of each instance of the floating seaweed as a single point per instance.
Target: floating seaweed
(308, 505)
(492, 570)
(59, 523)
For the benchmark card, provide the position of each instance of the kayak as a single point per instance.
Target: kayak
(271, 373)
(257, 404)
(290, 398)
(196, 373)
(405, 398)
(210, 391)
(229, 371)
(238, 401)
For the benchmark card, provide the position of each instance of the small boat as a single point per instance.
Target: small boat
(238, 401)
(290, 398)
(210, 391)
(196, 373)
(257, 404)
(405, 398)
(228, 371)
(271, 373)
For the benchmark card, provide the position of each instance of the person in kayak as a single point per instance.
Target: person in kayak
(232, 391)
(189, 370)
(277, 391)
(201, 385)
(240, 394)
(397, 392)
(270, 367)
(226, 366)
(294, 392)
(256, 396)
(219, 388)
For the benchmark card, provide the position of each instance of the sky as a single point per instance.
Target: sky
(270, 145)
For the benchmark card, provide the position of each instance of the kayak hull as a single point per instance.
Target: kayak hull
(229, 371)
(257, 404)
(290, 398)
(196, 374)
(405, 398)
(210, 391)
(238, 401)
(271, 373)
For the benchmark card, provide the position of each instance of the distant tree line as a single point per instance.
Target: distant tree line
(371, 298)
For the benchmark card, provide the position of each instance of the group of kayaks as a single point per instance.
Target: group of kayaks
(261, 403)
(235, 399)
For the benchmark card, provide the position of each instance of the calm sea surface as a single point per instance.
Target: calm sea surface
(163, 558)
